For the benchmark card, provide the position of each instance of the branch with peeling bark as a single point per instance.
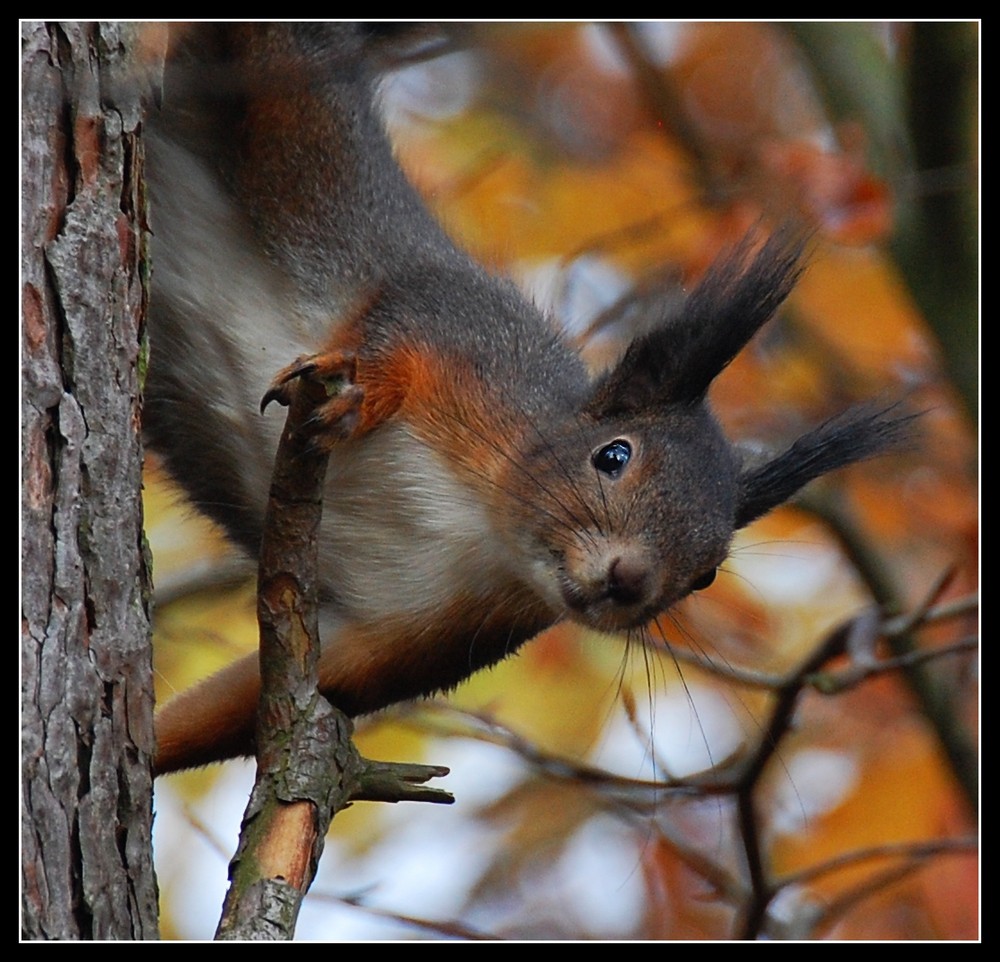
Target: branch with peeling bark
(307, 767)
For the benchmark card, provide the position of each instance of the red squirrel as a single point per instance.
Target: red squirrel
(482, 485)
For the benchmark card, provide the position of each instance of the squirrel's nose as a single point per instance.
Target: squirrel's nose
(628, 581)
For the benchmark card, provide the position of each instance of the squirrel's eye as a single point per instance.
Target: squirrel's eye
(699, 584)
(612, 458)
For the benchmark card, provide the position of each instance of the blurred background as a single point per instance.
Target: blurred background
(795, 755)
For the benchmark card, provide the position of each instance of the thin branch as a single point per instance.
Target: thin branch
(881, 880)
(451, 929)
(889, 628)
(780, 722)
(307, 767)
(833, 683)
(614, 793)
(300, 772)
(964, 844)
(481, 727)
(957, 608)
(936, 701)
(748, 677)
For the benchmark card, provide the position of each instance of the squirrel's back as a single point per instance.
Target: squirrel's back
(278, 206)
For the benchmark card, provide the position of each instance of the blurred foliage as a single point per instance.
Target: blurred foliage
(599, 163)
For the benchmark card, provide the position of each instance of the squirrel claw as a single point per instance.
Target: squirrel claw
(336, 418)
(334, 370)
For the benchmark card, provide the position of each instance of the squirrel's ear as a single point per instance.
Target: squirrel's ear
(676, 362)
(855, 435)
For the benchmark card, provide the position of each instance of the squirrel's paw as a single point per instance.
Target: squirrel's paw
(336, 418)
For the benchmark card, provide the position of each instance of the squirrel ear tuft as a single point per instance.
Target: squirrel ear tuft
(856, 435)
(677, 361)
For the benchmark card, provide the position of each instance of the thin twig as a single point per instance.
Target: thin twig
(936, 701)
(452, 929)
(921, 850)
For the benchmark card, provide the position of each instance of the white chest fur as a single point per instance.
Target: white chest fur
(400, 533)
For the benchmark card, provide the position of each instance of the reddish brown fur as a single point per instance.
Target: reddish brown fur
(370, 667)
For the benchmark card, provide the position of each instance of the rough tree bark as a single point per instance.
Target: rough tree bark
(87, 703)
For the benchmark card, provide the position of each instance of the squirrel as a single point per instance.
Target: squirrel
(483, 485)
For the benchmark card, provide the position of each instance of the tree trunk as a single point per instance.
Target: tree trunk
(87, 703)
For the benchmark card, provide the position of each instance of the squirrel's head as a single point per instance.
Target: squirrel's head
(635, 498)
